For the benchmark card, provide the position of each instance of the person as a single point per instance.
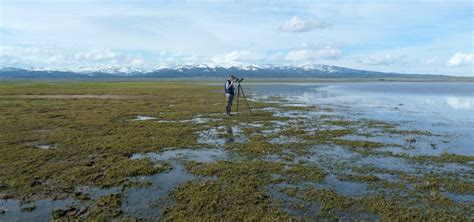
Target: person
(229, 94)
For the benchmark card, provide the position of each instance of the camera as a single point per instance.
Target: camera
(238, 80)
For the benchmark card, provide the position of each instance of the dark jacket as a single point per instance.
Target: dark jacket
(230, 89)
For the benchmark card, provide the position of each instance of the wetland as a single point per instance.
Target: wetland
(165, 151)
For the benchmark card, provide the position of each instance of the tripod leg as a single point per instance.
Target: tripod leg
(250, 110)
(238, 98)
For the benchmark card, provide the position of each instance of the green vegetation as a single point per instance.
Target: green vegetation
(92, 133)
(445, 158)
(93, 138)
(108, 206)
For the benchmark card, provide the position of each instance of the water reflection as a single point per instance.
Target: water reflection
(229, 135)
(440, 108)
(459, 103)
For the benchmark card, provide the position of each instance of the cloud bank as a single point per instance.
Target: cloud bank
(389, 36)
(461, 59)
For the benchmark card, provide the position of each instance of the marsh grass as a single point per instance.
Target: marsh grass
(94, 137)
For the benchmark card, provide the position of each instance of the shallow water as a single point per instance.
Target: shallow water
(444, 110)
(219, 136)
(331, 182)
(441, 108)
(41, 209)
(143, 118)
(44, 146)
(144, 202)
(149, 201)
(197, 155)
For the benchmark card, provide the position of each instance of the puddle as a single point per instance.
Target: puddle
(199, 120)
(334, 159)
(459, 197)
(347, 188)
(273, 109)
(211, 137)
(222, 135)
(406, 144)
(197, 155)
(149, 201)
(280, 123)
(143, 118)
(273, 158)
(33, 211)
(271, 131)
(44, 146)
(292, 204)
(166, 121)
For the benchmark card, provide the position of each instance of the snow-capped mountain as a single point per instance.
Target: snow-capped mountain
(114, 70)
(204, 70)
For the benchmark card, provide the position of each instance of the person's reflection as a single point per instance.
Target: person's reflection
(230, 135)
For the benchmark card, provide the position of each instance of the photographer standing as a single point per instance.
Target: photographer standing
(229, 93)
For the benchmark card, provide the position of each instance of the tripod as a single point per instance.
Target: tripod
(239, 90)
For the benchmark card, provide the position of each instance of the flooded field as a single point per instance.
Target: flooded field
(323, 151)
(438, 108)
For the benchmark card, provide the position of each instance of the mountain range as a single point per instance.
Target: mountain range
(206, 71)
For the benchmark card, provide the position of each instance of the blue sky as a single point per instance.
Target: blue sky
(434, 37)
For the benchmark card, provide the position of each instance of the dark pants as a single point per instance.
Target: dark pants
(229, 98)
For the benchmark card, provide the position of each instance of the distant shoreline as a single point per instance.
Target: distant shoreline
(247, 79)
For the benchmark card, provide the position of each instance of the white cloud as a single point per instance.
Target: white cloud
(29, 56)
(382, 60)
(459, 103)
(461, 59)
(295, 24)
(324, 53)
(53, 57)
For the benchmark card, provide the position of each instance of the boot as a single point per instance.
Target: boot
(227, 110)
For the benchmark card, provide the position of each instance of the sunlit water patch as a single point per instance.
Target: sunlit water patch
(144, 118)
(219, 136)
(45, 146)
(440, 108)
